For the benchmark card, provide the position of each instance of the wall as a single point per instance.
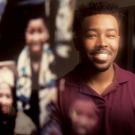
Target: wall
(122, 3)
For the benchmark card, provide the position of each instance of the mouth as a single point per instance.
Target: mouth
(101, 51)
(81, 130)
(36, 47)
(36, 44)
(5, 109)
(101, 55)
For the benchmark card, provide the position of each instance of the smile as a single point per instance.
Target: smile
(101, 55)
(107, 52)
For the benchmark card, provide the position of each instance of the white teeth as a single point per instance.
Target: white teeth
(101, 56)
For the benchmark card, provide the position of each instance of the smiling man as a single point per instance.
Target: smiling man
(97, 97)
(100, 40)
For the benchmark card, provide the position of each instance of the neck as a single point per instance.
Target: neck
(104, 76)
(35, 57)
(99, 81)
(7, 117)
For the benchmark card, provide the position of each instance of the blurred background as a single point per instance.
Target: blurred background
(60, 16)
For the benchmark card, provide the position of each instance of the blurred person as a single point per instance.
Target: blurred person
(11, 121)
(35, 79)
(98, 96)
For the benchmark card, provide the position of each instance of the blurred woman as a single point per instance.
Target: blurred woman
(35, 83)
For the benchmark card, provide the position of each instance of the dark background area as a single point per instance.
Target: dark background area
(12, 26)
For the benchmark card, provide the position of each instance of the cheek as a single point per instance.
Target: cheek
(115, 46)
(45, 36)
(88, 44)
(28, 38)
(0, 100)
(10, 102)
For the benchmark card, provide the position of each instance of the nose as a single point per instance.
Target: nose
(101, 41)
(4, 100)
(36, 37)
(83, 120)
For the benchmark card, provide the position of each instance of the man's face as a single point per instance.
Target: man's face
(100, 40)
(6, 100)
(36, 35)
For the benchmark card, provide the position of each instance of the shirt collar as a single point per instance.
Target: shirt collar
(121, 75)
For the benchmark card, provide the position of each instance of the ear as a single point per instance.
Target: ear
(47, 35)
(77, 42)
(120, 42)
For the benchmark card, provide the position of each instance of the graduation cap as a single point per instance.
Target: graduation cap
(7, 74)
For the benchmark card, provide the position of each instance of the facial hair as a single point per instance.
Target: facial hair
(85, 58)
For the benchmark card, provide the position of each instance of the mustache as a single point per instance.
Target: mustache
(100, 50)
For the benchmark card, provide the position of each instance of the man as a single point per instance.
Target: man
(97, 97)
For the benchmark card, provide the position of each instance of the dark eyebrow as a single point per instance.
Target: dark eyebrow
(108, 30)
(95, 30)
(91, 29)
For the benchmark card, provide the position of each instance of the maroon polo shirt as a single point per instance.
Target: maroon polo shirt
(81, 111)
(120, 105)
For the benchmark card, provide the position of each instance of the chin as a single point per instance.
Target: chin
(35, 51)
(81, 131)
(5, 111)
(102, 67)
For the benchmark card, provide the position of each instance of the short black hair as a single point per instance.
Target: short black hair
(93, 8)
(36, 15)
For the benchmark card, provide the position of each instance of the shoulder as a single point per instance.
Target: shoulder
(24, 125)
(70, 79)
(130, 75)
(125, 75)
(69, 83)
(23, 57)
(23, 53)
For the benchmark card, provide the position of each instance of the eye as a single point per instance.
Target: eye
(31, 31)
(91, 35)
(111, 35)
(41, 30)
(1, 95)
(8, 96)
